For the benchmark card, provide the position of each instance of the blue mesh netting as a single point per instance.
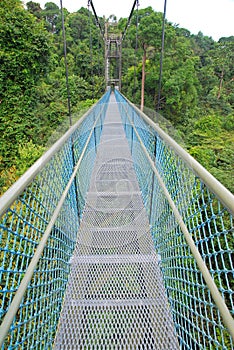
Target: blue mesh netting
(197, 320)
(22, 227)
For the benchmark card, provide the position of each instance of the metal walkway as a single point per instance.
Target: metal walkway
(91, 234)
(115, 296)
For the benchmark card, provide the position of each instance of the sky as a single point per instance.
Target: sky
(213, 18)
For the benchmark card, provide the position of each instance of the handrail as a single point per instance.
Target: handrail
(15, 304)
(217, 297)
(223, 194)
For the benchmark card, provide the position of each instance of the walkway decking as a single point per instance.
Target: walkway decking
(115, 297)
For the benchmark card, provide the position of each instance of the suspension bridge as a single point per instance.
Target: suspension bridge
(116, 238)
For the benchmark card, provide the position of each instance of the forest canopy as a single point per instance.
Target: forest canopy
(197, 94)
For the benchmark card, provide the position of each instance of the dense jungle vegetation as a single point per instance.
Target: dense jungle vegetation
(197, 94)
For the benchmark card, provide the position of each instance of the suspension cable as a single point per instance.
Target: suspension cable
(99, 72)
(127, 58)
(129, 18)
(91, 49)
(66, 65)
(136, 48)
(161, 57)
(68, 95)
(97, 20)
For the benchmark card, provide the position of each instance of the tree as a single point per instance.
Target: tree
(24, 58)
(149, 34)
(211, 143)
(216, 75)
(51, 13)
(34, 8)
(197, 79)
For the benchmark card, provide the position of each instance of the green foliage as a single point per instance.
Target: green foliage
(34, 8)
(212, 146)
(33, 92)
(197, 93)
(28, 154)
(24, 56)
(51, 14)
(197, 87)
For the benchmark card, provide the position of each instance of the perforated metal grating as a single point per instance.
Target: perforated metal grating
(115, 297)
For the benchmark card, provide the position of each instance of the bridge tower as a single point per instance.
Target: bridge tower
(113, 59)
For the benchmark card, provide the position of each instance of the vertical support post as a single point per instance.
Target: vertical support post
(94, 134)
(75, 180)
(113, 59)
(69, 105)
(95, 139)
(162, 54)
(107, 48)
(132, 131)
(153, 181)
(120, 62)
(143, 78)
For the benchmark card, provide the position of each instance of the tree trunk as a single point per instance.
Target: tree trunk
(220, 84)
(143, 78)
